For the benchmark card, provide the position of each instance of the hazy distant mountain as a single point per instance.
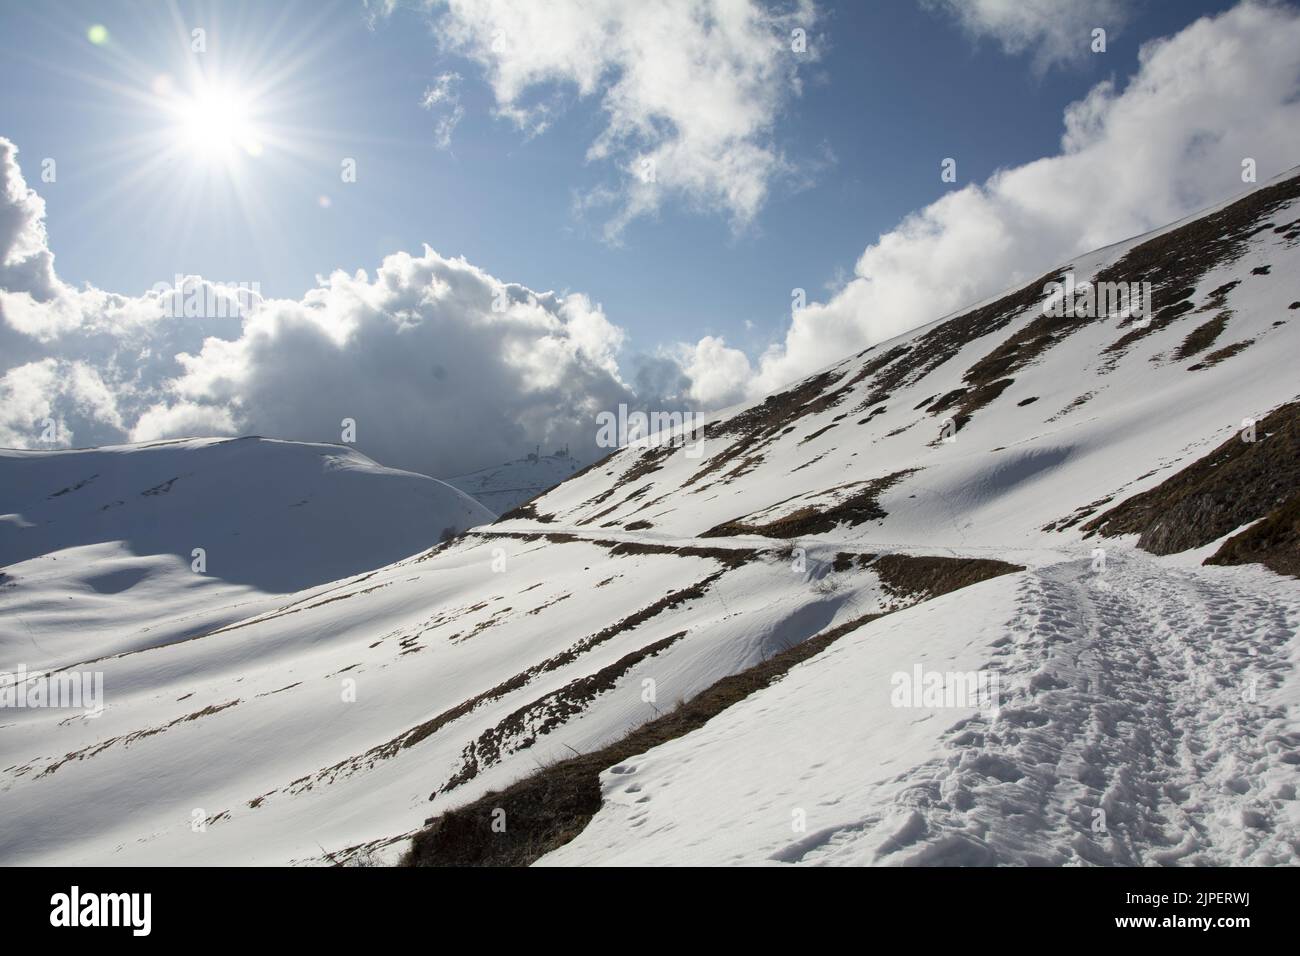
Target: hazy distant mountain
(503, 487)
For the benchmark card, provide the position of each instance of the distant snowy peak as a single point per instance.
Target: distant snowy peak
(274, 514)
(134, 545)
(501, 488)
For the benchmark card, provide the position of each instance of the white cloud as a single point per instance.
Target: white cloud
(444, 367)
(182, 419)
(1053, 32)
(1169, 142)
(435, 377)
(53, 392)
(691, 90)
(88, 360)
(26, 264)
(719, 376)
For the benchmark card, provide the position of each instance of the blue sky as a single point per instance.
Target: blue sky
(511, 138)
(896, 88)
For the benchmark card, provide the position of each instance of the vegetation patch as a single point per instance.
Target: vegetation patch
(127, 739)
(817, 434)
(1236, 483)
(758, 426)
(522, 728)
(1083, 399)
(1227, 352)
(1273, 542)
(526, 512)
(732, 558)
(1176, 261)
(77, 487)
(162, 488)
(1203, 336)
(859, 506)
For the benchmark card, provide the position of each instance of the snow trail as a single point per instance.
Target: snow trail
(1135, 729)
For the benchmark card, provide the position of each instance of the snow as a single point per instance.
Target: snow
(1122, 692)
(336, 677)
(503, 487)
(98, 545)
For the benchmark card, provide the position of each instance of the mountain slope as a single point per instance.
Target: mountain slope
(1124, 739)
(339, 722)
(98, 545)
(1045, 415)
(503, 487)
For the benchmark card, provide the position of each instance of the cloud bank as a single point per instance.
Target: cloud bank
(443, 367)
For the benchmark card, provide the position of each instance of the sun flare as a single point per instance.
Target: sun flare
(216, 122)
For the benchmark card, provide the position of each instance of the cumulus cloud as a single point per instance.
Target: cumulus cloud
(1053, 32)
(443, 367)
(78, 366)
(26, 264)
(719, 376)
(1132, 158)
(690, 90)
(49, 392)
(81, 364)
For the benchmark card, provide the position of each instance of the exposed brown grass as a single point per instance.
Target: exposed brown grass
(1203, 336)
(1220, 355)
(1238, 482)
(1273, 542)
(1177, 260)
(862, 505)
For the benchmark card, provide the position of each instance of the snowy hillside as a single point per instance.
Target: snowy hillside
(503, 487)
(98, 546)
(682, 658)
(1045, 418)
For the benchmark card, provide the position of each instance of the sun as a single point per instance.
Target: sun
(215, 123)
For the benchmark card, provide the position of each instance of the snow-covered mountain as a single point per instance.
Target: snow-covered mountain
(120, 548)
(730, 656)
(504, 487)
